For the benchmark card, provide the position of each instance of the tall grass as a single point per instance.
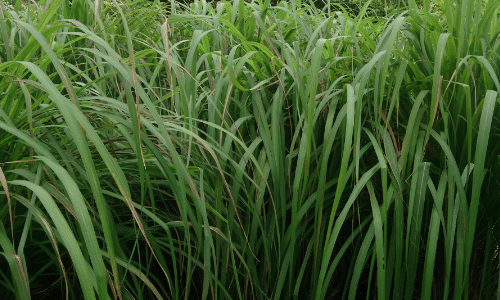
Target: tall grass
(249, 150)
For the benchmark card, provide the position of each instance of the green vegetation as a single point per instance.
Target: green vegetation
(239, 150)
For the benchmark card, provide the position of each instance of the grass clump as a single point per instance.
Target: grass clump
(249, 150)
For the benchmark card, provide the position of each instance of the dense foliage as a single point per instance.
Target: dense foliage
(243, 150)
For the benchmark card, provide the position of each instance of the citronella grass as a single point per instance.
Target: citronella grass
(249, 150)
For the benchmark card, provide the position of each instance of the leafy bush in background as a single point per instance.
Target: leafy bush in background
(242, 150)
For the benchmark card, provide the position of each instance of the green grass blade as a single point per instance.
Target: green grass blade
(81, 266)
